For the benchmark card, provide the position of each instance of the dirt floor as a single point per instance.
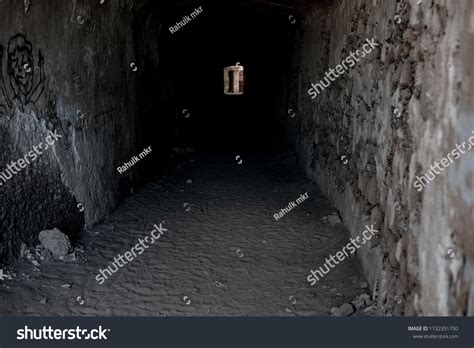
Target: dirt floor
(223, 252)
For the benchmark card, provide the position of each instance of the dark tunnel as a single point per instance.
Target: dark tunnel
(239, 158)
(190, 69)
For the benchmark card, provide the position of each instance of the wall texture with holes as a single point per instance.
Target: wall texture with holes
(402, 107)
(65, 68)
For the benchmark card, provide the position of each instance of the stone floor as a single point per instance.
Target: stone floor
(223, 252)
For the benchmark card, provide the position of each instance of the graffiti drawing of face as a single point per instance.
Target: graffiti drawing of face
(20, 64)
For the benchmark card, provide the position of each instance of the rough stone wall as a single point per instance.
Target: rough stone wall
(401, 108)
(66, 69)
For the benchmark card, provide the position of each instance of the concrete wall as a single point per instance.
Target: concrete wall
(80, 86)
(156, 89)
(401, 108)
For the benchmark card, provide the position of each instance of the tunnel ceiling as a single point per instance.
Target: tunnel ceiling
(148, 7)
